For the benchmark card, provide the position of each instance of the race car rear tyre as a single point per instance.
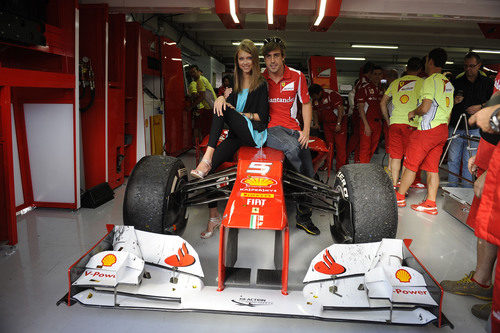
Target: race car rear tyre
(367, 207)
(152, 202)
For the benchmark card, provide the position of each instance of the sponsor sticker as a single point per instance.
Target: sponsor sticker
(256, 220)
(255, 210)
(257, 195)
(404, 99)
(259, 181)
(256, 202)
(288, 87)
(108, 260)
(403, 275)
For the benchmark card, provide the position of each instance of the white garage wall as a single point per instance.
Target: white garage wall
(49, 132)
(18, 185)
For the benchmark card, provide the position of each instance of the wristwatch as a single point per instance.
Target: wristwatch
(494, 122)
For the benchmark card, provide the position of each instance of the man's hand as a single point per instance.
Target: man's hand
(479, 185)
(482, 118)
(471, 166)
(368, 130)
(411, 115)
(303, 139)
(227, 92)
(458, 99)
(473, 109)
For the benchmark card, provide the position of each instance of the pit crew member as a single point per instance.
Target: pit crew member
(427, 142)
(368, 98)
(404, 93)
(330, 108)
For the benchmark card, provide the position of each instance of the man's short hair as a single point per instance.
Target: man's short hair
(368, 67)
(273, 43)
(190, 67)
(315, 89)
(414, 64)
(438, 56)
(474, 55)
(377, 67)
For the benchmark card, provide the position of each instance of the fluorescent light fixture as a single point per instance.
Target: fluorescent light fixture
(321, 13)
(449, 63)
(232, 10)
(255, 43)
(489, 69)
(176, 59)
(487, 51)
(171, 43)
(270, 12)
(364, 46)
(261, 57)
(350, 58)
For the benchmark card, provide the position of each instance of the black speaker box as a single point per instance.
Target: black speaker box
(97, 196)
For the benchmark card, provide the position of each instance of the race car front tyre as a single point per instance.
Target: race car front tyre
(152, 202)
(367, 210)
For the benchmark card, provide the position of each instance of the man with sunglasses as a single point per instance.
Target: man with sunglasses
(287, 87)
(472, 90)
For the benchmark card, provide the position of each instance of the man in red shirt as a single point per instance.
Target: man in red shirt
(353, 144)
(368, 99)
(330, 108)
(287, 87)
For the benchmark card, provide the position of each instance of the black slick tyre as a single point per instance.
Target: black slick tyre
(367, 206)
(152, 201)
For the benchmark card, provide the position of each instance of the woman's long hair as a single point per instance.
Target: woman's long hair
(256, 77)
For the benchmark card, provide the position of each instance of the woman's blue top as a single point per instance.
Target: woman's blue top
(258, 137)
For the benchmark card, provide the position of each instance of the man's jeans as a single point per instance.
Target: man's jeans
(286, 140)
(458, 153)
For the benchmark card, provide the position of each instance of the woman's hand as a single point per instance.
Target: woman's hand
(220, 106)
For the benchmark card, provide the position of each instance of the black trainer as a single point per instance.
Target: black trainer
(306, 224)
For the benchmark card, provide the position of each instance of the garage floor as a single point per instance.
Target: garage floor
(33, 275)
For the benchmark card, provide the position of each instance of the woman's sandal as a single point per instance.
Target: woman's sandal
(200, 174)
(207, 234)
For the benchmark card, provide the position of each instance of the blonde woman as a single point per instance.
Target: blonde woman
(245, 111)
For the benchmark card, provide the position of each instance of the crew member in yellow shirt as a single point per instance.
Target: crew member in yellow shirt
(203, 95)
(404, 94)
(427, 142)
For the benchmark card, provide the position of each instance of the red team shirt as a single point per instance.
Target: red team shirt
(327, 106)
(283, 98)
(371, 95)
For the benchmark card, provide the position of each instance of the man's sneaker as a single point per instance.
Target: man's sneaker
(418, 185)
(427, 206)
(307, 225)
(482, 311)
(401, 199)
(468, 287)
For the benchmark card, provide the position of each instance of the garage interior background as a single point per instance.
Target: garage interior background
(100, 84)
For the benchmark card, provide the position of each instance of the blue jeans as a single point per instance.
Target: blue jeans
(458, 153)
(287, 140)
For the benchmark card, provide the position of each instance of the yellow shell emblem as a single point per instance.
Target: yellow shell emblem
(109, 260)
(404, 99)
(259, 181)
(403, 276)
(447, 102)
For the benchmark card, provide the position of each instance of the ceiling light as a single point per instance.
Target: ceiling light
(261, 57)
(270, 12)
(350, 58)
(232, 10)
(255, 43)
(449, 63)
(321, 12)
(363, 46)
(487, 51)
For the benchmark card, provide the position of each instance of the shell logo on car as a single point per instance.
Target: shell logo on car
(403, 276)
(108, 260)
(404, 99)
(259, 181)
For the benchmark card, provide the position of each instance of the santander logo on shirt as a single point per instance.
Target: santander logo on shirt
(281, 100)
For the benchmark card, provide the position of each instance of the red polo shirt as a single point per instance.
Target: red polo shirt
(370, 95)
(327, 106)
(283, 98)
(497, 83)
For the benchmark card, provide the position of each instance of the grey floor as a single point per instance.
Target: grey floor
(34, 274)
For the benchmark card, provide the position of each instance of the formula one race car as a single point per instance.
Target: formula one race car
(147, 265)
